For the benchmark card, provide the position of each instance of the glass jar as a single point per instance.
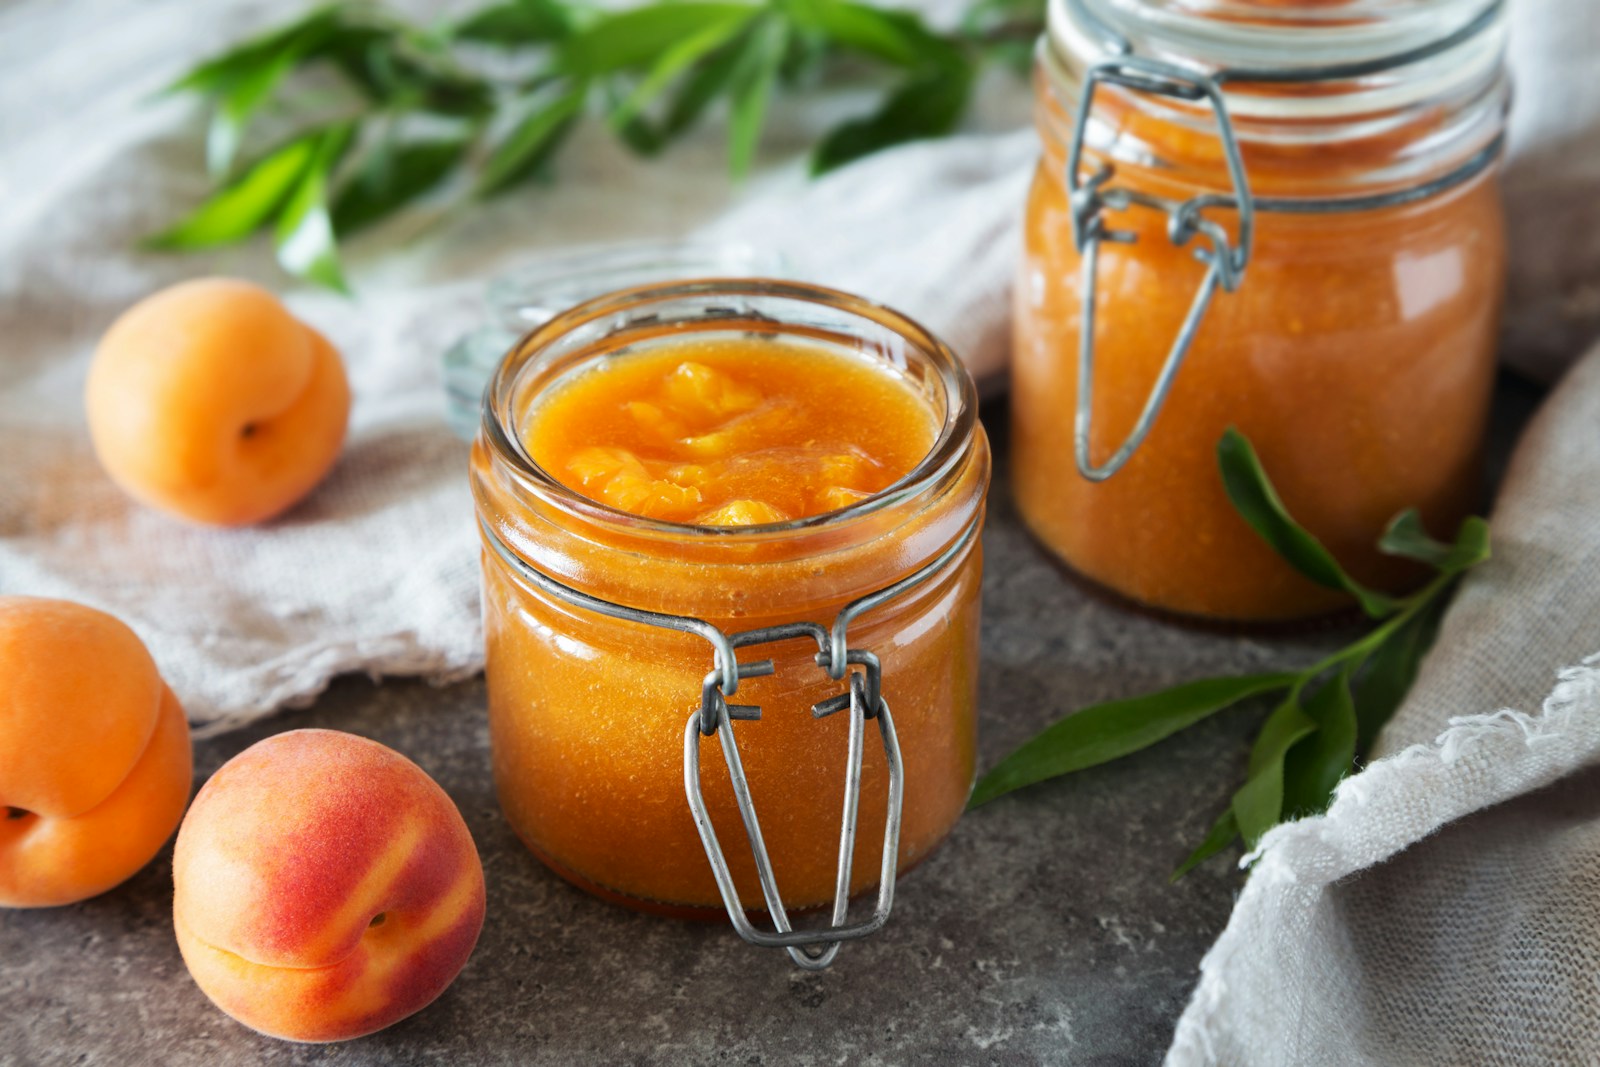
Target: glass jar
(611, 637)
(550, 283)
(1289, 215)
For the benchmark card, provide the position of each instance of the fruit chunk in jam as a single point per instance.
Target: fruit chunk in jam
(730, 432)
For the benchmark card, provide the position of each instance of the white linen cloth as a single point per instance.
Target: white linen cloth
(377, 571)
(1446, 909)
(1359, 938)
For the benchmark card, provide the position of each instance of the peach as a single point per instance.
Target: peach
(210, 401)
(95, 760)
(325, 887)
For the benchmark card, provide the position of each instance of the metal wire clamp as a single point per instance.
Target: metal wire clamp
(810, 949)
(1090, 198)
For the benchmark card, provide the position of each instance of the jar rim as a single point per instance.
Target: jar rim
(499, 430)
(1404, 54)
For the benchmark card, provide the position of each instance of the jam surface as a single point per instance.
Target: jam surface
(724, 432)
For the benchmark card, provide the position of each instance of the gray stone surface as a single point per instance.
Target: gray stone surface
(1043, 931)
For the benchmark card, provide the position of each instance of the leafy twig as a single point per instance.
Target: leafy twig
(1328, 714)
(432, 106)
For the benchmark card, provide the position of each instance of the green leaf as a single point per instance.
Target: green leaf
(673, 62)
(408, 71)
(1315, 765)
(238, 210)
(636, 38)
(897, 38)
(1109, 731)
(926, 106)
(533, 141)
(1406, 537)
(518, 22)
(805, 61)
(304, 232)
(637, 132)
(216, 74)
(1221, 835)
(391, 177)
(1391, 670)
(703, 85)
(752, 88)
(1258, 503)
(1258, 804)
(641, 137)
(239, 102)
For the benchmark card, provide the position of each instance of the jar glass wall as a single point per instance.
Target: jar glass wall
(588, 712)
(1357, 353)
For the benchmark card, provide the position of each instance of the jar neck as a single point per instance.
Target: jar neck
(804, 567)
(1430, 94)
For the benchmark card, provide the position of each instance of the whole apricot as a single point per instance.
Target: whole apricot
(325, 887)
(210, 401)
(95, 760)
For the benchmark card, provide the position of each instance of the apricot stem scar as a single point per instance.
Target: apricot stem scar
(16, 813)
(378, 919)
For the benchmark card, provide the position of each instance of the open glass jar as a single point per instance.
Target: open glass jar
(618, 645)
(1279, 215)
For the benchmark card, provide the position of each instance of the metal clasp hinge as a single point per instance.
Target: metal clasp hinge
(810, 949)
(1091, 197)
(864, 699)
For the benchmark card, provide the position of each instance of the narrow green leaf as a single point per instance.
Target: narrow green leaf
(752, 88)
(405, 70)
(806, 58)
(1391, 670)
(638, 133)
(391, 177)
(1109, 731)
(1315, 765)
(704, 84)
(1258, 804)
(215, 74)
(642, 137)
(636, 38)
(1258, 503)
(897, 38)
(674, 61)
(532, 141)
(1406, 537)
(925, 106)
(518, 22)
(304, 232)
(1221, 835)
(238, 103)
(238, 210)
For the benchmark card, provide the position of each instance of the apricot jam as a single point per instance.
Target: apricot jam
(1357, 352)
(729, 432)
(747, 454)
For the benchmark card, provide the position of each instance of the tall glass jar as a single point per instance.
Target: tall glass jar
(598, 620)
(1289, 215)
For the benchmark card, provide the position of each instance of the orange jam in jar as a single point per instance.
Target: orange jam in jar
(727, 458)
(1345, 323)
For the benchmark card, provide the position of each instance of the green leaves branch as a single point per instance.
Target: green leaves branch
(489, 99)
(1328, 714)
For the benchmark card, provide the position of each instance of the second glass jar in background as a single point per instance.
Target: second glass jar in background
(1357, 350)
(557, 279)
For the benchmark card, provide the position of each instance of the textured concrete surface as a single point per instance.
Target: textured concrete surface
(1044, 931)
